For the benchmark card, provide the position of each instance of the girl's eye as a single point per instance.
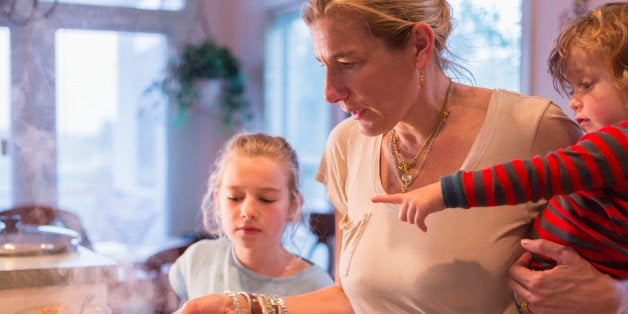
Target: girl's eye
(267, 200)
(234, 198)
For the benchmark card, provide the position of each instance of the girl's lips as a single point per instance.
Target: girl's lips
(249, 230)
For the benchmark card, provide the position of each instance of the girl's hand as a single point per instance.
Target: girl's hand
(416, 204)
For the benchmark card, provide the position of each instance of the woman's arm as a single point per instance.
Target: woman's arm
(331, 299)
(327, 300)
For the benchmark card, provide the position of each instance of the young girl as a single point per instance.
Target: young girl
(588, 181)
(252, 194)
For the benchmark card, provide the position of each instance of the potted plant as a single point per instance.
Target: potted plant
(205, 61)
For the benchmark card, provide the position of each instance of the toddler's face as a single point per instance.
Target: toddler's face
(254, 201)
(596, 100)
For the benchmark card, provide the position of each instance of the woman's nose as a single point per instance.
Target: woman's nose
(334, 90)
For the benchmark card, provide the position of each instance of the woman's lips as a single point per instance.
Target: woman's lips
(358, 114)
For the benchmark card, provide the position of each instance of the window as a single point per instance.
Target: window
(294, 103)
(84, 136)
(5, 120)
(487, 35)
(138, 4)
(111, 158)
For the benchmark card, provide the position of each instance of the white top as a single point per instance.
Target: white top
(210, 266)
(460, 265)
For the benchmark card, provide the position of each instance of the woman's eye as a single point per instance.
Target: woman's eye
(349, 65)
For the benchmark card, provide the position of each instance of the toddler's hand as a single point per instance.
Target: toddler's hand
(416, 204)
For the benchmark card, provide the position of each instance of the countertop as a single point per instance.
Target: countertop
(80, 267)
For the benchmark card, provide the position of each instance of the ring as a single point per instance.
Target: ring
(524, 307)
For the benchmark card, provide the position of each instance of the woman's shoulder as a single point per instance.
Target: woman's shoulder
(519, 101)
(343, 129)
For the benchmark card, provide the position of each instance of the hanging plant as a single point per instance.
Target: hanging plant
(206, 61)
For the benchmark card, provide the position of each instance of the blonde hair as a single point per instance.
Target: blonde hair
(393, 21)
(601, 32)
(251, 145)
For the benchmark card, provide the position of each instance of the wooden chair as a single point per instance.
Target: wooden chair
(35, 214)
(161, 297)
(323, 225)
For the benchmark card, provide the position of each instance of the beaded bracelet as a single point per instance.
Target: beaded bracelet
(259, 303)
(262, 301)
(281, 303)
(248, 300)
(234, 298)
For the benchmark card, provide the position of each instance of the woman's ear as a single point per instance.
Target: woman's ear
(422, 41)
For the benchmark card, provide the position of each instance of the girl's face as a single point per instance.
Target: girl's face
(254, 202)
(371, 81)
(596, 100)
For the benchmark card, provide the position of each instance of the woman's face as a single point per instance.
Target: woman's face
(254, 201)
(372, 82)
(596, 100)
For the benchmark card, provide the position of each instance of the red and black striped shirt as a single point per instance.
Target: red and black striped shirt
(587, 188)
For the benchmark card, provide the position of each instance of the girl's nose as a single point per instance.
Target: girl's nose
(247, 210)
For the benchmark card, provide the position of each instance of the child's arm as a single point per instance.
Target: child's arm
(416, 204)
(600, 159)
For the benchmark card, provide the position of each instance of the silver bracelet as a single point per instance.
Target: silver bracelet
(234, 297)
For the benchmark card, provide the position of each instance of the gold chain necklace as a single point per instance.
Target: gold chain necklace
(405, 174)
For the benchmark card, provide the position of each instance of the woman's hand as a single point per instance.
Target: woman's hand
(416, 204)
(572, 286)
(211, 303)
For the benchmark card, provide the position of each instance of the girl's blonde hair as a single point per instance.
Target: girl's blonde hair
(393, 20)
(601, 32)
(251, 145)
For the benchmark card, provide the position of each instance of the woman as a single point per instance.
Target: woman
(385, 64)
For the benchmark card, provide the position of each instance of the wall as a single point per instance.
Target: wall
(545, 18)
(240, 24)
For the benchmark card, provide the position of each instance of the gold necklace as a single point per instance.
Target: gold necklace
(405, 174)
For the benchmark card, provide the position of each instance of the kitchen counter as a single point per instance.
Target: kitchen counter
(67, 278)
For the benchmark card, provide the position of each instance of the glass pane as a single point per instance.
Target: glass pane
(172, 5)
(111, 138)
(487, 35)
(294, 100)
(5, 119)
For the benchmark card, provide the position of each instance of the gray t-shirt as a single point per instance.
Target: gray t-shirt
(210, 266)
